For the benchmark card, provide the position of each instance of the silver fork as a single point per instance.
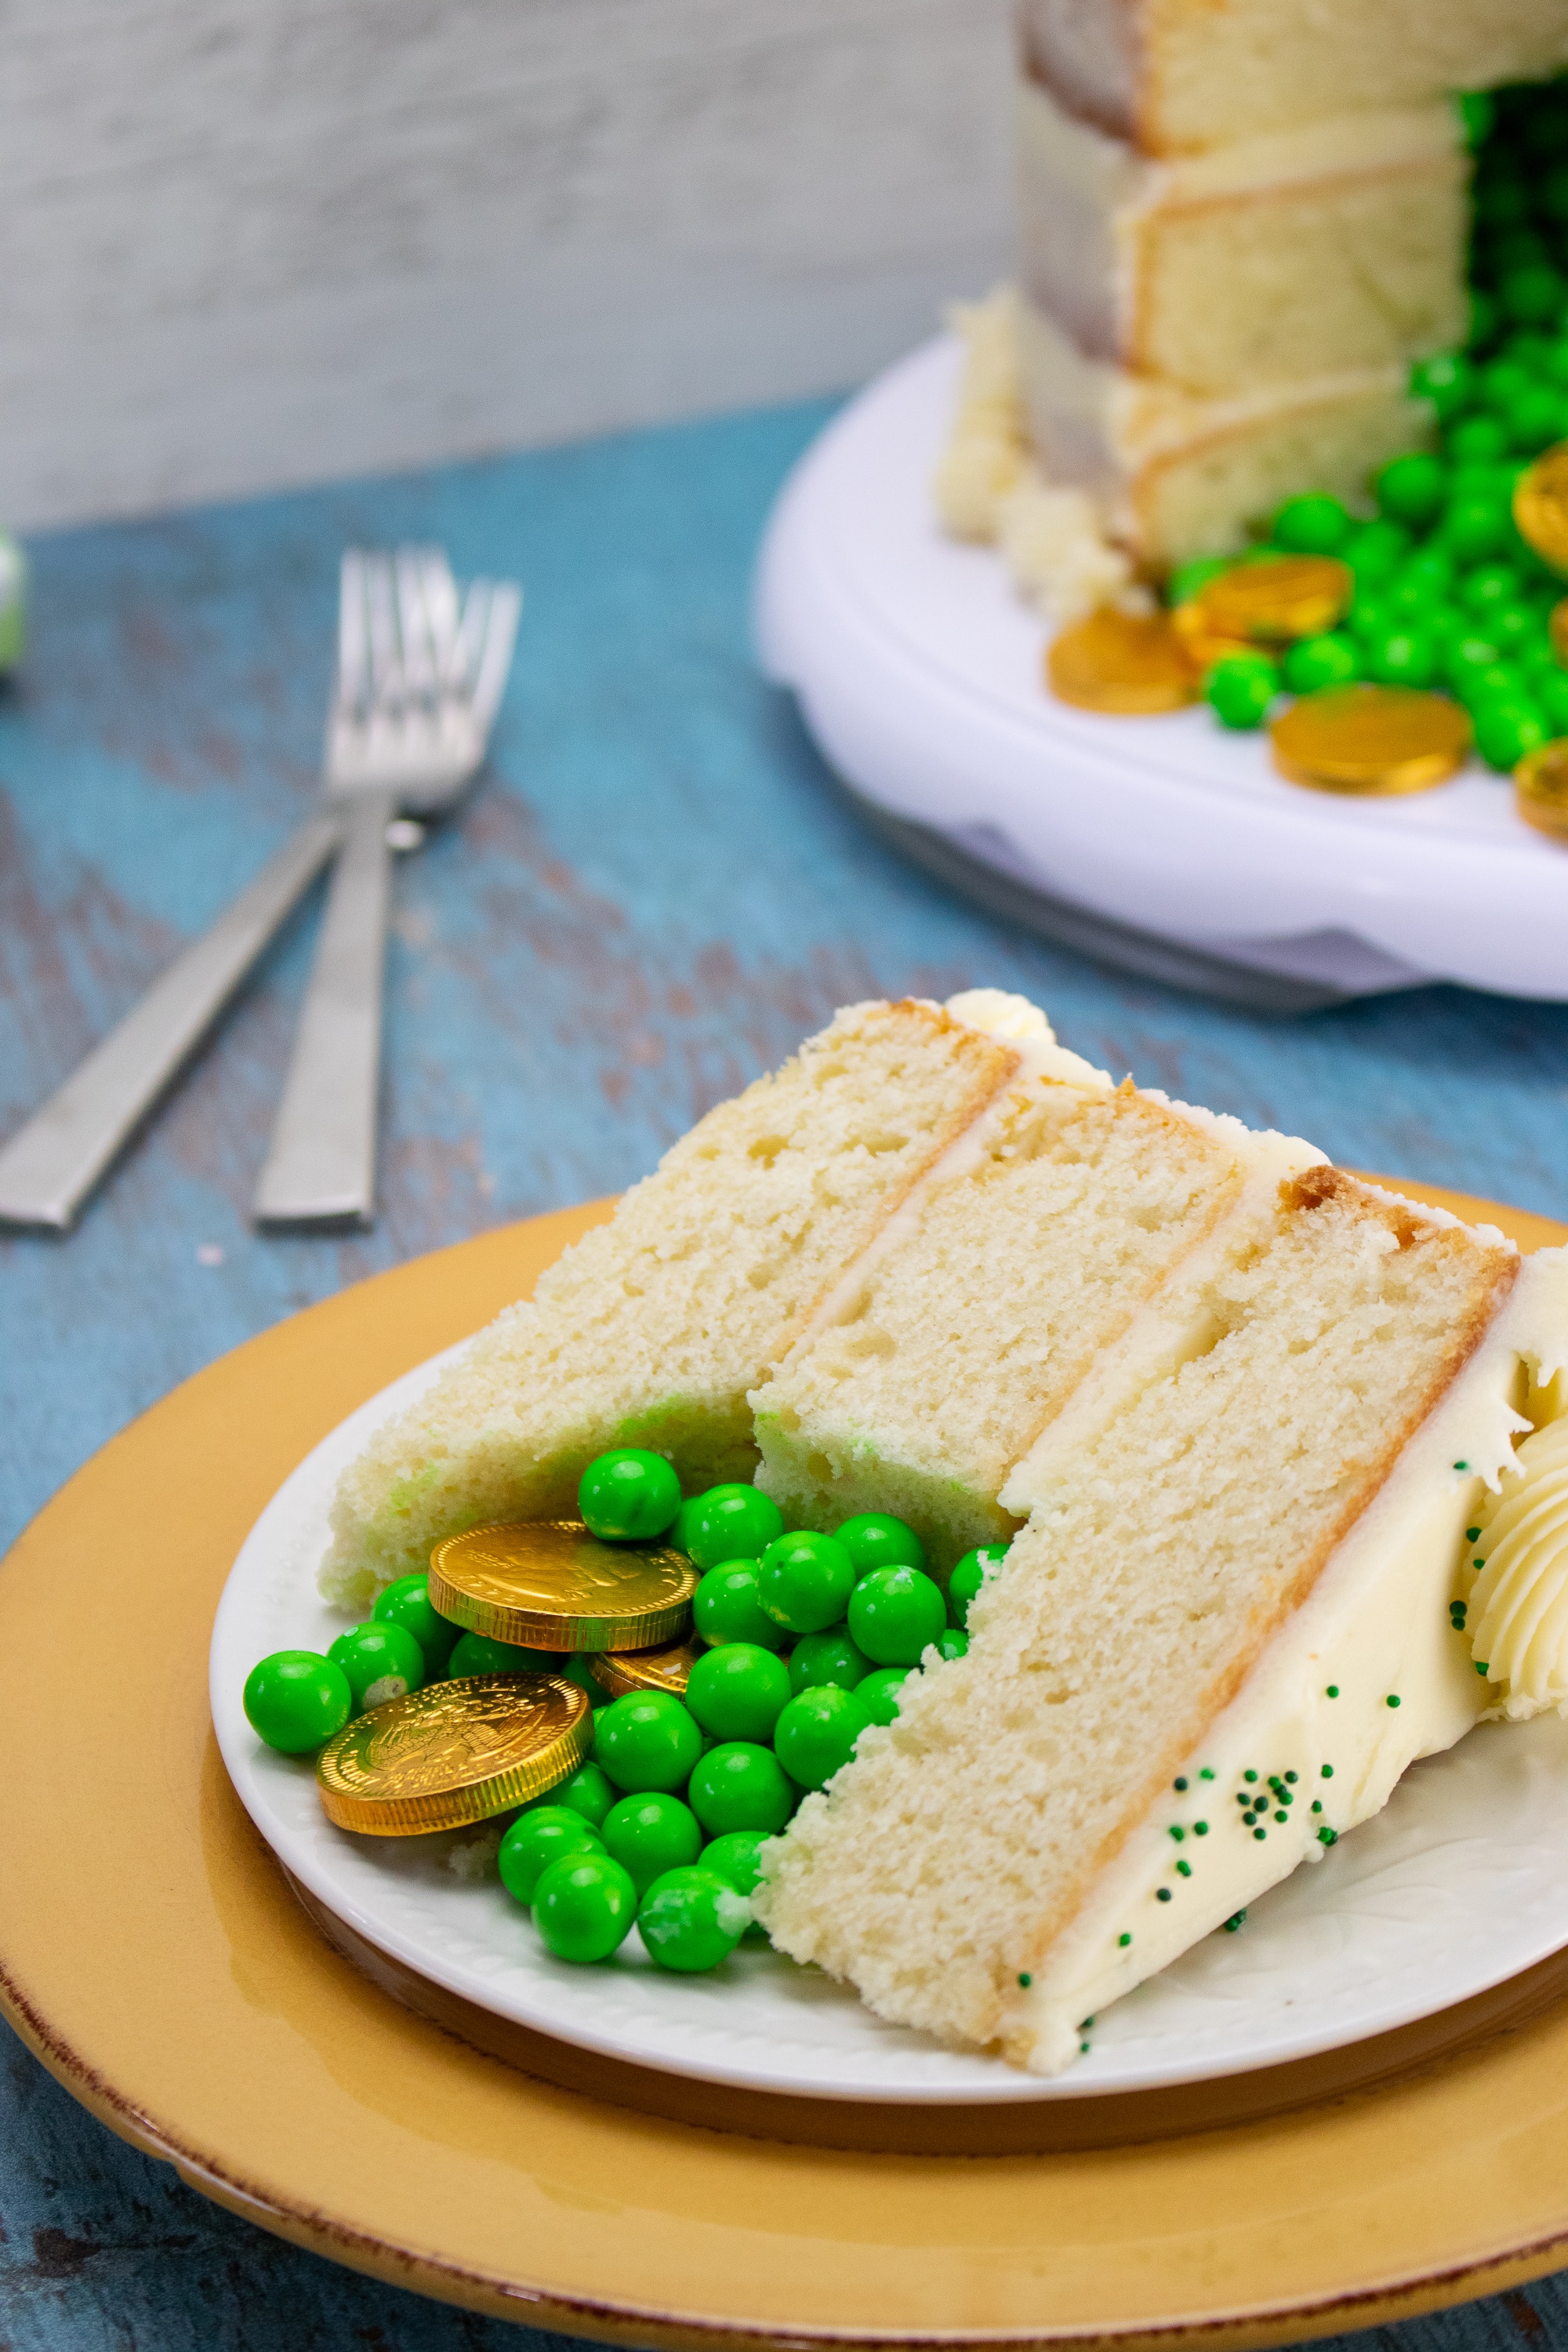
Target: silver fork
(51, 1164)
(419, 683)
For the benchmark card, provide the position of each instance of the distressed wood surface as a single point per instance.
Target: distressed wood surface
(653, 896)
(248, 243)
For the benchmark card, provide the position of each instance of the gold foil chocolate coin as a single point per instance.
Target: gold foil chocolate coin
(1541, 506)
(662, 1669)
(1558, 628)
(1201, 647)
(1540, 789)
(1278, 600)
(454, 1752)
(1371, 739)
(551, 1585)
(1124, 665)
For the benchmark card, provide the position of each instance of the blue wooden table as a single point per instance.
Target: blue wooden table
(654, 894)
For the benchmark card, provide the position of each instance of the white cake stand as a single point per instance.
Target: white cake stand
(1163, 845)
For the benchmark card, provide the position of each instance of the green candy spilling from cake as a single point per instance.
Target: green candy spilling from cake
(1234, 1417)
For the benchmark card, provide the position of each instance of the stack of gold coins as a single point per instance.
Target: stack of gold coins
(453, 1753)
(1257, 606)
(1126, 665)
(1540, 789)
(548, 1584)
(664, 1668)
(1371, 739)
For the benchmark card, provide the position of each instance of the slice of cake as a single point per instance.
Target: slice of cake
(1223, 1633)
(986, 1303)
(652, 1329)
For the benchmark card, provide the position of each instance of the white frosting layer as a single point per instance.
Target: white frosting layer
(1376, 1627)
(1517, 1606)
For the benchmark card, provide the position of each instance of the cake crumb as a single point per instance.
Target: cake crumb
(472, 1858)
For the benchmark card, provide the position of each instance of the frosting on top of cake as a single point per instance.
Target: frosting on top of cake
(1517, 1609)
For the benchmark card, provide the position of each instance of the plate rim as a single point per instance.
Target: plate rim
(1289, 2287)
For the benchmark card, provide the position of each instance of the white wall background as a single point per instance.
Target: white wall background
(248, 243)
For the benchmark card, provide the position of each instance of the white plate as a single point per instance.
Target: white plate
(1461, 1881)
(917, 671)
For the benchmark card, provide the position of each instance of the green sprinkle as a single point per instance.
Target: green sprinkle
(1025, 1981)
(1178, 1834)
(1200, 1829)
(1179, 1784)
(1260, 1833)
(1281, 1817)
(1234, 1922)
(1461, 1465)
(1328, 1771)
(1083, 2049)
(1206, 1774)
(1163, 1894)
(1327, 1837)
(1333, 1690)
(1482, 1666)
(1183, 1870)
(1478, 1563)
(1249, 1776)
(1472, 1535)
(1317, 1806)
(1124, 1941)
(1292, 1778)
(1085, 2026)
(1392, 1699)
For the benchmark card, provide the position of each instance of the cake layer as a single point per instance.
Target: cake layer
(1293, 255)
(651, 1330)
(1177, 75)
(1247, 1429)
(987, 1299)
(1179, 474)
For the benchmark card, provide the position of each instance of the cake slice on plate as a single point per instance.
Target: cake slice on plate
(1223, 1633)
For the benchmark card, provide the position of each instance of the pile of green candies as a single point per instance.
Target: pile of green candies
(1448, 596)
(806, 1640)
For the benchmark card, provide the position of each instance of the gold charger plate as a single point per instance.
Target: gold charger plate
(151, 1955)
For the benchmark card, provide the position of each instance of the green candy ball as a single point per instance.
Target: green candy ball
(1239, 690)
(1484, 319)
(1533, 295)
(381, 1662)
(895, 1615)
(646, 1740)
(1535, 418)
(408, 1604)
(951, 1643)
(482, 1654)
(1376, 550)
(587, 1793)
(577, 1669)
(739, 1691)
(1507, 731)
(1333, 659)
(629, 1496)
(879, 1693)
(741, 1785)
(692, 1919)
(1469, 657)
(1503, 380)
(1413, 490)
(964, 1585)
(1477, 112)
(1475, 526)
(727, 1607)
(830, 1657)
(875, 1539)
(1550, 697)
(537, 1838)
(650, 1834)
(296, 1700)
(816, 1732)
(1448, 380)
(1312, 524)
(737, 1858)
(1369, 616)
(1405, 656)
(1481, 440)
(1489, 585)
(1515, 626)
(804, 1580)
(584, 1906)
(729, 1523)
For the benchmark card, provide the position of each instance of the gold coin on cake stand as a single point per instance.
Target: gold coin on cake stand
(1124, 665)
(551, 1585)
(1541, 506)
(1276, 602)
(1371, 739)
(664, 1668)
(454, 1752)
(1540, 789)
(1198, 641)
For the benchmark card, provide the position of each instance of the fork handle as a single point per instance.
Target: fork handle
(50, 1165)
(321, 1166)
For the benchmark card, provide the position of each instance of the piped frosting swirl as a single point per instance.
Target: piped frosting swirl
(1516, 1610)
